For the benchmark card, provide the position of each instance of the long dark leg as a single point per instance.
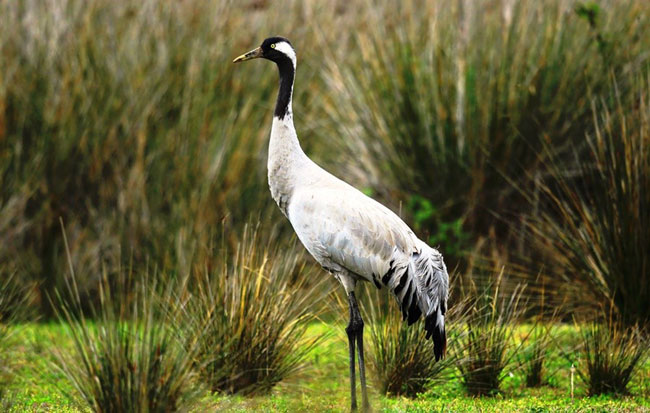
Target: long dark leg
(362, 368)
(355, 333)
(352, 335)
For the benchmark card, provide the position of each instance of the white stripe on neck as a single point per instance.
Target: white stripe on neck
(286, 48)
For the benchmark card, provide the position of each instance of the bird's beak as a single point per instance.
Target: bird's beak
(253, 54)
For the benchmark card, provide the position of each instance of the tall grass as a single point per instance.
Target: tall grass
(596, 228)
(127, 353)
(540, 340)
(610, 355)
(6, 301)
(249, 315)
(13, 300)
(534, 355)
(128, 121)
(401, 357)
(488, 345)
(449, 105)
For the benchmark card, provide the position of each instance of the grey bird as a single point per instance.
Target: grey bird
(351, 235)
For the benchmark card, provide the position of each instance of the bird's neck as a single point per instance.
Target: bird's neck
(286, 157)
(287, 72)
(284, 145)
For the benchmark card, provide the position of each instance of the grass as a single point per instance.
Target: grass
(126, 355)
(538, 343)
(610, 355)
(402, 358)
(323, 387)
(249, 316)
(487, 345)
(452, 106)
(598, 211)
(14, 299)
(162, 160)
(534, 353)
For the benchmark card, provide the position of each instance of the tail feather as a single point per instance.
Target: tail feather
(420, 284)
(435, 328)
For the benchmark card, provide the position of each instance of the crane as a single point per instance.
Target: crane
(349, 234)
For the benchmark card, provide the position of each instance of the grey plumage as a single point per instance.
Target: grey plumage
(351, 235)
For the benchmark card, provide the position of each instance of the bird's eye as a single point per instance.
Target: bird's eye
(273, 46)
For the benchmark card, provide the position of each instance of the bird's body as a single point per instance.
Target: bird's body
(349, 234)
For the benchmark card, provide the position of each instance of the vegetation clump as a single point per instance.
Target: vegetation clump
(487, 346)
(127, 355)
(533, 357)
(249, 317)
(596, 225)
(610, 356)
(401, 356)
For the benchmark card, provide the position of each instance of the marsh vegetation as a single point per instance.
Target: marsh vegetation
(144, 266)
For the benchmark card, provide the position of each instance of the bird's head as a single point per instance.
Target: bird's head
(277, 49)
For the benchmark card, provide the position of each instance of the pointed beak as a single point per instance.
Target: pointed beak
(253, 54)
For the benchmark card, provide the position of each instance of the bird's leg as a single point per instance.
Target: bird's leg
(355, 333)
(362, 365)
(352, 336)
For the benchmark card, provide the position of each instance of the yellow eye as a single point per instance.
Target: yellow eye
(273, 46)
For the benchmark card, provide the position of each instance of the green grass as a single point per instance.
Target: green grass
(323, 385)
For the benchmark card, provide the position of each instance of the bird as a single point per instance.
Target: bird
(351, 235)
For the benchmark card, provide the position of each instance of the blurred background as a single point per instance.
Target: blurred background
(509, 134)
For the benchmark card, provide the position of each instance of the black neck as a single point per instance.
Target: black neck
(287, 74)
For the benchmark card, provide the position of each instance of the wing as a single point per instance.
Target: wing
(344, 228)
